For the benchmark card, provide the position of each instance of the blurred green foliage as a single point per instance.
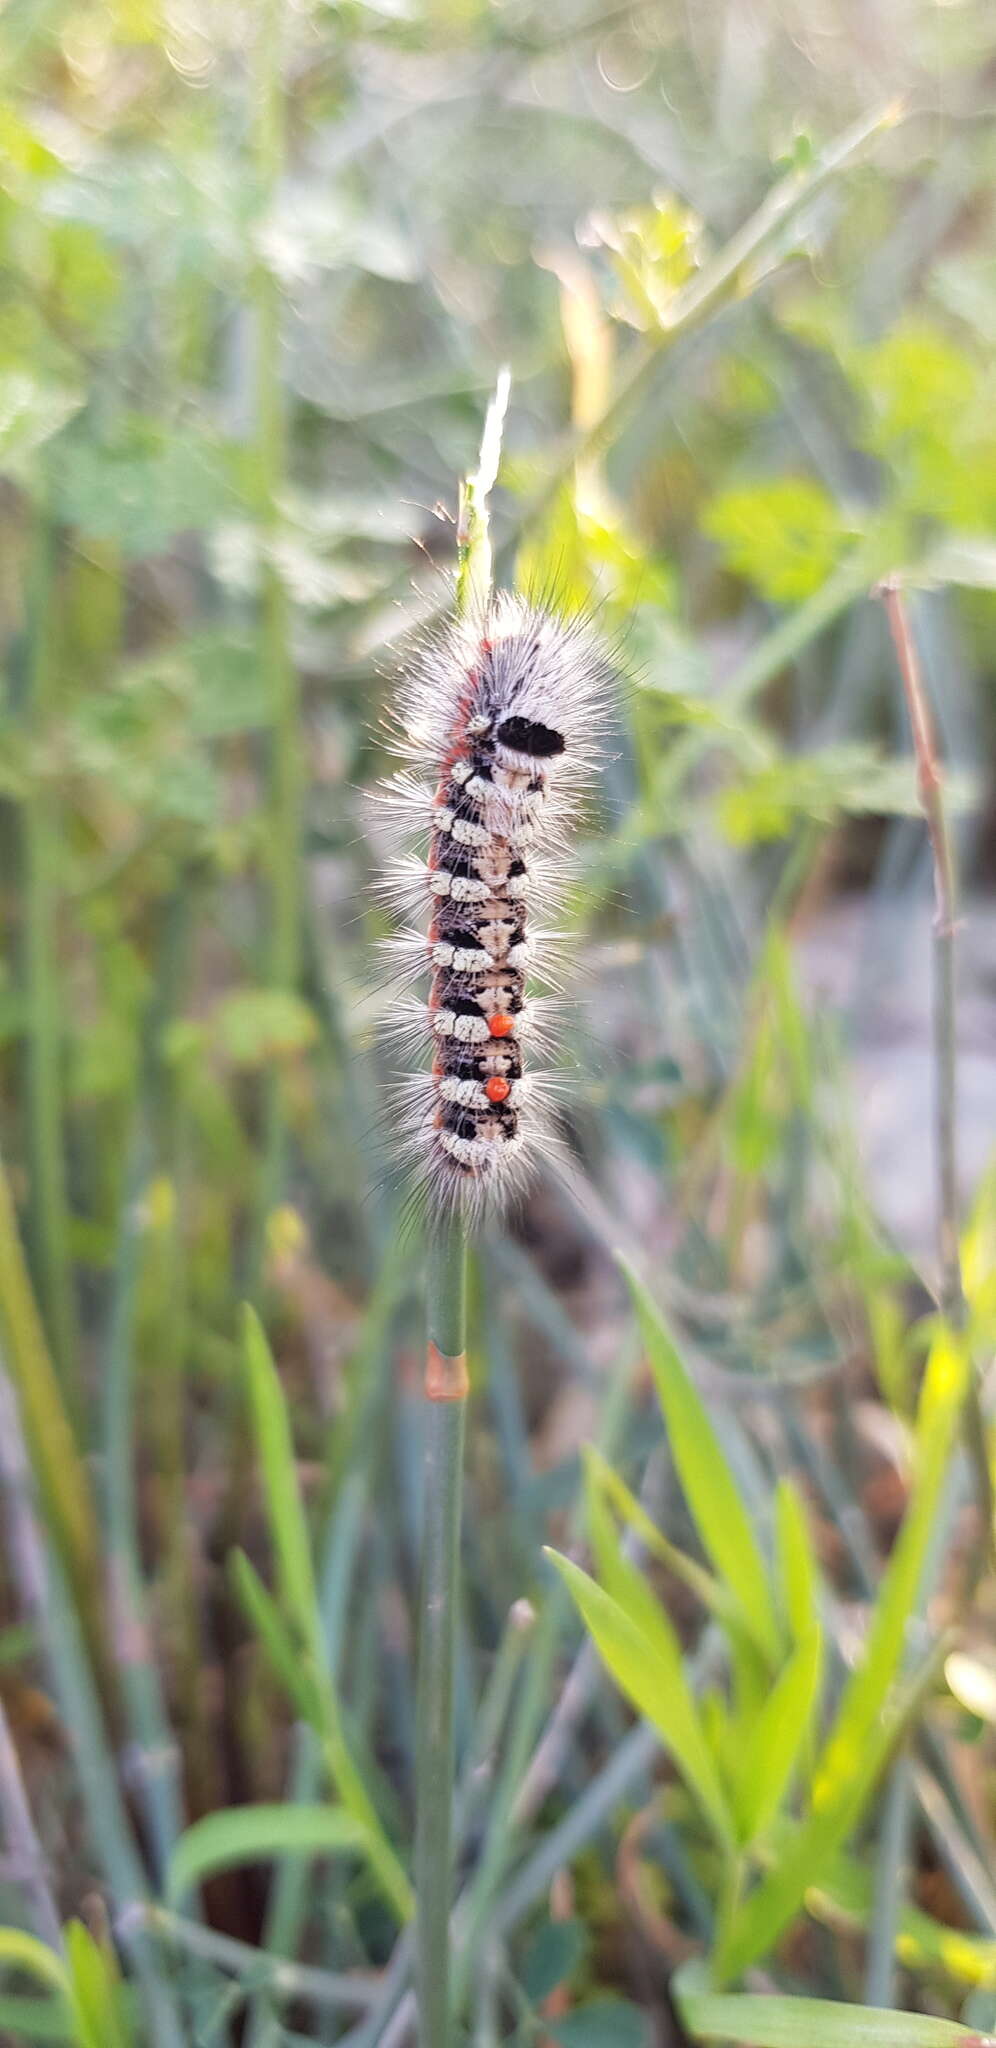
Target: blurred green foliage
(260, 264)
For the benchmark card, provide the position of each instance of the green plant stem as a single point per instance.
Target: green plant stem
(891, 1882)
(59, 1473)
(443, 1466)
(283, 948)
(49, 1209)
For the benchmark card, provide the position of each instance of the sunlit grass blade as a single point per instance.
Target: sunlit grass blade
(713, 1594)
(311, 1686)
(765, 2022)
(268, 1622)
(22, 1951)
(798, 1572)
(295, 1576)
(944, 1388)
(714, 1499)
(811, 1849)
(774, 1744)
(650, 1671)
(97, 1994)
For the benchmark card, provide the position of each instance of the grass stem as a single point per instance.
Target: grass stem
(446, 1403)
(49, 1208)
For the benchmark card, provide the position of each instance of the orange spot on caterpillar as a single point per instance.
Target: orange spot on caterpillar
(496, 1089)
(501, 1026)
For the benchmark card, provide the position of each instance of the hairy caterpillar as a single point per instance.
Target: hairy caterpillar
(500, 717)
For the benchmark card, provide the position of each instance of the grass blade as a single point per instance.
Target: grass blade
(653, 1679)
(790, 2022)
(721, 1518)
(254, 1834)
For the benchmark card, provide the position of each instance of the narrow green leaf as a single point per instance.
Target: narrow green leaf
(254, 1834)
(797, 1568)
(711, 1591)
(772, 1751)
(35, 2019)
(653, 1680)
(811, 1849)
(96, 1991)
(276, 1453)
(881, 1666)
(283, 1653)
(791, 2022)
(20, 1951)
(712, 1494)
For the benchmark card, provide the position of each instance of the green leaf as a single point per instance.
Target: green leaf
(35, 2019)
(20, 1951)
(284, 1654)
(96, 1991)
(255, 1834)
(814, 2023)
(271, 1426)
(867, 1723)
(710, 1490)
(649, 1670)
(797, 1568)
(552, 1957)
(771, 1752)
(604, 2023)
(881, 1665)
(255, 1026)
(712, 1593)
(854, 779)
(30, 414)
(145, 487)
(785, 535)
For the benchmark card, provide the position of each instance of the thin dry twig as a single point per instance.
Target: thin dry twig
(930, 784)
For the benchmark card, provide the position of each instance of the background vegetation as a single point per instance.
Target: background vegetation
(260, 264)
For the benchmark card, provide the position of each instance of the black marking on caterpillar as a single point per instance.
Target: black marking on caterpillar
(502, 717)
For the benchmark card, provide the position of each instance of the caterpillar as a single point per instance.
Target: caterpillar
(500, 719)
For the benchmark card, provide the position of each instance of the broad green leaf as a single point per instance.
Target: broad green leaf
(35, 2019)
(255, 1834)
(654, 1682)
(146, 486)
(288, 1529)
(765, 2022)
(552, 1957)
(798, 1573)
(256, 1026)
(96, 1991)
(783, 534)
(772, 1750)
(30, 414)
(710, 1489)
(603, 2023)
(855, 779)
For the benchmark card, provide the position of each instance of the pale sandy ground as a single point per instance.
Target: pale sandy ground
(872, 964)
